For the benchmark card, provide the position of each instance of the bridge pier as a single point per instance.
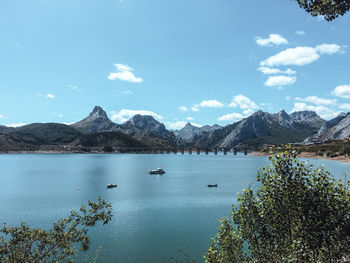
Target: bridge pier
(198, 151)
(216, 151)
(245, 151)
(190, 151)
(235, 151)
(168, 151)
(225, 152)
(182, 151)
(206, 151)
(175, 151)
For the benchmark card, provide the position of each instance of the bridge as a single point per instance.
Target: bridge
(183, 150)
(146, 150)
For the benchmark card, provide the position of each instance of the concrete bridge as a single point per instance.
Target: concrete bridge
(183, 150)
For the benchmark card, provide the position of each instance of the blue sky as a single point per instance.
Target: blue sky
(204, 61)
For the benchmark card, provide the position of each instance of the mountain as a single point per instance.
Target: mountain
(32, 136)
(5, 129)
(97, 121)
(337, 128)
(113, 139)
(146, 126)
(265, 128)
(97, 131)
(190, 133)
(45, 133)
(309, 118)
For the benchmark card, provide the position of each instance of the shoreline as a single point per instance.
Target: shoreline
(312, 155)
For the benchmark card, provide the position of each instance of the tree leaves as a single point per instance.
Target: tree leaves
(297, 214)
(24, 244)
(329, 9)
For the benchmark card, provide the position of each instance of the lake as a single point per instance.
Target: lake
(156, 218)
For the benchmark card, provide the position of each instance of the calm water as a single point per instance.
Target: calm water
(154, 216)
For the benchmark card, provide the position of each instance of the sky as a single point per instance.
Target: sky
(203, 61)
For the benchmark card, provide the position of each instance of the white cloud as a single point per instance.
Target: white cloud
(1, 116)
(271, 71)
(267, 105)
(74, 88)
(243, 102)
(125, 114)
(59, 115)
(183, 108)
(328, 49)
(317, 101)
(195, 108)
(273, 39)
(345, 107)
(189, 119)
(279, 81)
(176, 125)
(322, 111)
(211, 104)
(342, 91)
(298, 56)
(301, 56)
(248, 112)
(15, 125)
(288, 97)
(50, 96)
(124, 73)
(235, 116)
(126, 92)
(300, 32)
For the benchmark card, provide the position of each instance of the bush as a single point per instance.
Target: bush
(320, 153)
(108, 149)
(332, 155)
(34, 245)
(297, 214)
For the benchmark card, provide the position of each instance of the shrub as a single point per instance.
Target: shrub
(297, 214)
(35, 245)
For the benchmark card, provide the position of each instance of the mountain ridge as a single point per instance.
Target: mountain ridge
(253, 131)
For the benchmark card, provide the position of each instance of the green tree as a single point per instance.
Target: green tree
(329, 9)
(296, 214)
(23, 244)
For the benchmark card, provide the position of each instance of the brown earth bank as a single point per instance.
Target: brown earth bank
(342, 158)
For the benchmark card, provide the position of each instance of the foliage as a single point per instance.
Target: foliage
(340, 147)
(25, 244)
(297, 214)
(329, 9)
(108, 149)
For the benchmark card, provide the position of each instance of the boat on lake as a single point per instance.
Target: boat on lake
(111, 185)
(157, 171)
(212, 185)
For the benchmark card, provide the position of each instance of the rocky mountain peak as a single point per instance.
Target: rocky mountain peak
(98, 112)
(341, 114)
(97, 121)
(188, 125)
(305, 115)
(143, 121)
(145, 125)
(283, 114)
(284, 119)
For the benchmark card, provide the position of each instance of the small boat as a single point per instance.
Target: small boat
(212, 185)
(111, 185)
(157, 171)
